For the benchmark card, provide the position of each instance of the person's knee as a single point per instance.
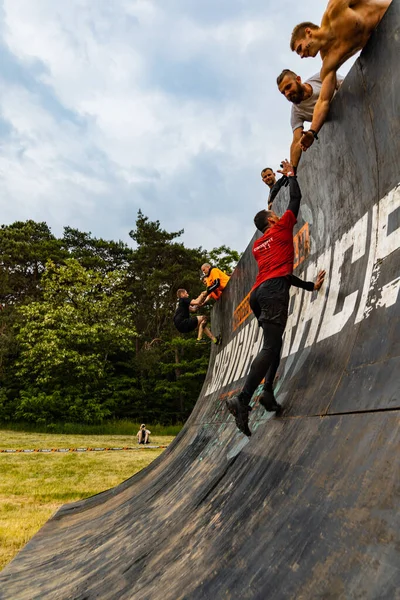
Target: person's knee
(272, 337)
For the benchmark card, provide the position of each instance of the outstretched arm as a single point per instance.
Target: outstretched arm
(295, 196)
(300, 283)
(294, 189)
(295, 150)
(310, 286)
(199, 300)
(275, 190)
(321, 108)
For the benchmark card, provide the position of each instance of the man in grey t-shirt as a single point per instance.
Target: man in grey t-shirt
(303, 97)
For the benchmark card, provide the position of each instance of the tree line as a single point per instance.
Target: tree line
(86, 331)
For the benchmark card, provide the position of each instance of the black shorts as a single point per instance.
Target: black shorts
(270, 301)
(187, 325)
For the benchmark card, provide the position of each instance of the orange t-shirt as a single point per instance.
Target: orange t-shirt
(210, 279)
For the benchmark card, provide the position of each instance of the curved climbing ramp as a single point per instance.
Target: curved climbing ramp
(308, 506)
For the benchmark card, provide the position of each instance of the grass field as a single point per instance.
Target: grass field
(34, 486)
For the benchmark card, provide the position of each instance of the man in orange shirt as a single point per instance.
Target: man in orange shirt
(215, 280)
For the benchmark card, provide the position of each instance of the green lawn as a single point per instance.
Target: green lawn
(34, 486)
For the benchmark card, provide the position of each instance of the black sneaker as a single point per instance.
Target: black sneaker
(202, 341)
(218, 339)
(240, 410)
(268, 401)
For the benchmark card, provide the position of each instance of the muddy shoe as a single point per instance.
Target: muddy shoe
(267, 400)
(240, 410)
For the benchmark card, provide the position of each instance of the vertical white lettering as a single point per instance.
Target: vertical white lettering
(223, 365)
(237, 347)
(387, 243)
(226, 364)
(211, 386)
(368, 273)
(256, 339)
(297, 294)
(245, 344)
(383, 245)
(313, 304)
(356, 238)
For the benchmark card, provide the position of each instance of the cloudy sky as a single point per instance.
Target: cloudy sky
(168, 106)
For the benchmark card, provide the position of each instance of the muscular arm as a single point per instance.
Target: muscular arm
(199, 300)
(295, 150)
(321, 108)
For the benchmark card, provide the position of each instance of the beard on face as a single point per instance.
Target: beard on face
(297, 95)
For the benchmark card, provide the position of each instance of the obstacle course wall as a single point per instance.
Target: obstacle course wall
(308, 507)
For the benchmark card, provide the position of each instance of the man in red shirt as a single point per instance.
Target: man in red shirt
(269, 300)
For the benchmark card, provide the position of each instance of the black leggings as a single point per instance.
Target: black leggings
(267, 360)
(269, 302)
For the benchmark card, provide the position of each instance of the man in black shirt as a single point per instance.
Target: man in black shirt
(269, 178)
(185, 323)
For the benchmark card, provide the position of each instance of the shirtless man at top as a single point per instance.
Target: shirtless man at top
(345, 29)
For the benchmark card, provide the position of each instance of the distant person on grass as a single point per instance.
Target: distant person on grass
(143, 435)
(185, 323)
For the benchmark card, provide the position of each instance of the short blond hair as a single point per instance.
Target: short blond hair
(299, 32)
(180, 292)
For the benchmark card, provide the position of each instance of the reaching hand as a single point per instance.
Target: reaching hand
(306, 140)
(320, 280)
(287, 168)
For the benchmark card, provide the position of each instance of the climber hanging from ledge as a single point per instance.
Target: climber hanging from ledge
(269, 300)
(185, 323)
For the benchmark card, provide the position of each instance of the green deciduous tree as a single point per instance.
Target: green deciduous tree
(24, 249)
(95, 253)
(224, 258)
(69, 342)
(86, 324)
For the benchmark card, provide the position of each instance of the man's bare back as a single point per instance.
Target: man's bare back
(349, 24)
(345, 28)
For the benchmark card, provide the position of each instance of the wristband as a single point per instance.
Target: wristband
(314, 133)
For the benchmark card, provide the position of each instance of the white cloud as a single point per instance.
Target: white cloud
(139, 104)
